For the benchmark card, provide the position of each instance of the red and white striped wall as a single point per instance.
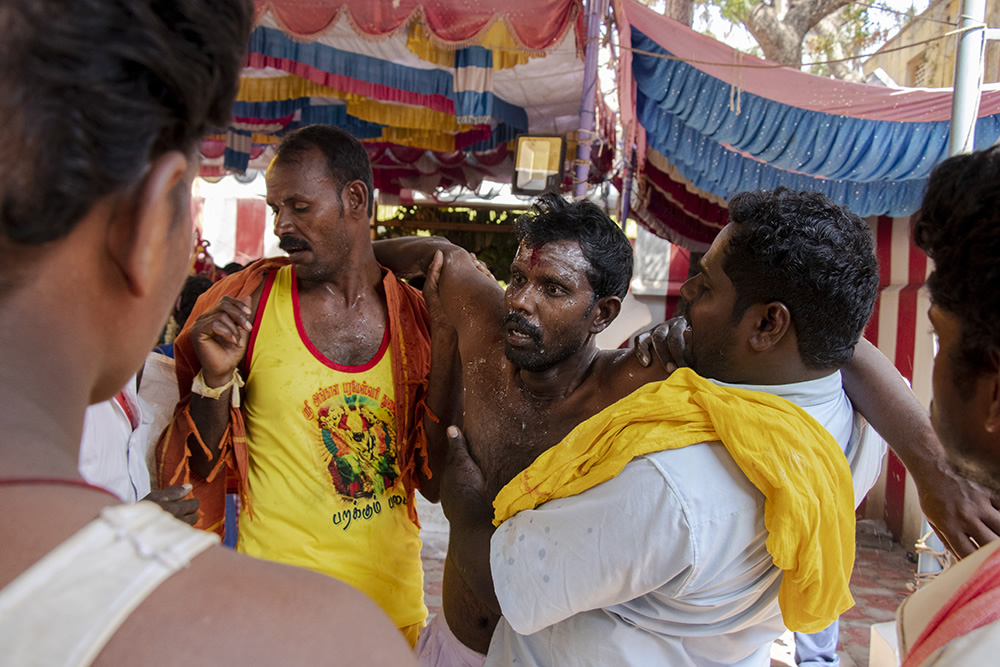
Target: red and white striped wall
(900, 329)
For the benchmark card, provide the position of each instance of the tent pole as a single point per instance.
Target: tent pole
(585, 135)
(968, 77)
(627, 189)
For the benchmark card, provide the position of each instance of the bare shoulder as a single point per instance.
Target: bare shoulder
(472, 301)
(621, 372)
(227, 608)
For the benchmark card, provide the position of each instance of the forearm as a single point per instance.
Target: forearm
(211, 418)
(410, 256)
(879, 393)
(470, 513)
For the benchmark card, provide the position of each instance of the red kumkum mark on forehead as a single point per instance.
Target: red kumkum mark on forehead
(533, 260)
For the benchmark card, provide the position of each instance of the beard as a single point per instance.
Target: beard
(711, 357)
(538, 356)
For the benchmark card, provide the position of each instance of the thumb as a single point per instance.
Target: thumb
(641, 346)
(434, 271)
(457, 447)
(176, 492)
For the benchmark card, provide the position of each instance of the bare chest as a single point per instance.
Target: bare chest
(508, 429)
(350, 335)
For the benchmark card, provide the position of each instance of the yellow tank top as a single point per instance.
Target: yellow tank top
(324, 481)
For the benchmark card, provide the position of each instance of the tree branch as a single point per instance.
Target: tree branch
(803, 15)
(777, 39)
(829, 29)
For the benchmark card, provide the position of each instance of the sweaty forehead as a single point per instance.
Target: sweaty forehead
(557, 258)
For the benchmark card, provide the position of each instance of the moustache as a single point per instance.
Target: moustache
(524, 326)
(292, 244)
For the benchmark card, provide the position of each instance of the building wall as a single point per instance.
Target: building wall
(932, 65)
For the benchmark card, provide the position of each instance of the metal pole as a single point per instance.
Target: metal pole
(627, 189)
(968, 77)
(584, 136)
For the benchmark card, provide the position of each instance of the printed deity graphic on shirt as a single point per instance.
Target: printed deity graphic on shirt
(360, 438)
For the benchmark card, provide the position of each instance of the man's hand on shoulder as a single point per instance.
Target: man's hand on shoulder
(663, 344)
(432, 292)
(220, 338)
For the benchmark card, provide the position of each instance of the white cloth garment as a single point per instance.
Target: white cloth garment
(979, 647)
(439, 647)
(65, 608)
(114, 451)
(158, 391)
(663, 565)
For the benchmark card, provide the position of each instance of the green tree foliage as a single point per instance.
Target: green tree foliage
(495, 248)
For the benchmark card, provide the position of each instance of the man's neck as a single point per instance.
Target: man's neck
(562, 379)
(346, 284)
(775, 370)
(43, 406)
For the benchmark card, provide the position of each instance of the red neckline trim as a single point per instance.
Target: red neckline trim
(55, 481)
(259, 315)
(320, 357)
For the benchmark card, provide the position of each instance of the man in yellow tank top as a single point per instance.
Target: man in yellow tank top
(326, 442)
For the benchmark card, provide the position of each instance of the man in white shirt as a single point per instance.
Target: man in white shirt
(667, 563)
(115, 453)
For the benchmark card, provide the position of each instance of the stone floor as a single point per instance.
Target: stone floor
(883, 574)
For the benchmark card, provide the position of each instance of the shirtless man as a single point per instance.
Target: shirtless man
(528, 383)
(104, 104)
(551, 376)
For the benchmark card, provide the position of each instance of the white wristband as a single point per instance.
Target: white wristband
(199, 387)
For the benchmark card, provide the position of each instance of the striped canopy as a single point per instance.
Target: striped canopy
(436, 89)
(710, 122)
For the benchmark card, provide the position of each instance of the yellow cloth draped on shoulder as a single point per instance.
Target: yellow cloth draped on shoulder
(783, 451)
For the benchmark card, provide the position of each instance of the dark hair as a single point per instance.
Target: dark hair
(604, 245)
(346, 157)
(93, 90)
(958, 226)
(817, 258)
(194, 286)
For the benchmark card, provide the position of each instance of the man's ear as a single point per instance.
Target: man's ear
(771, 321)
(604, 313)
(142, 222)
(355, 197)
